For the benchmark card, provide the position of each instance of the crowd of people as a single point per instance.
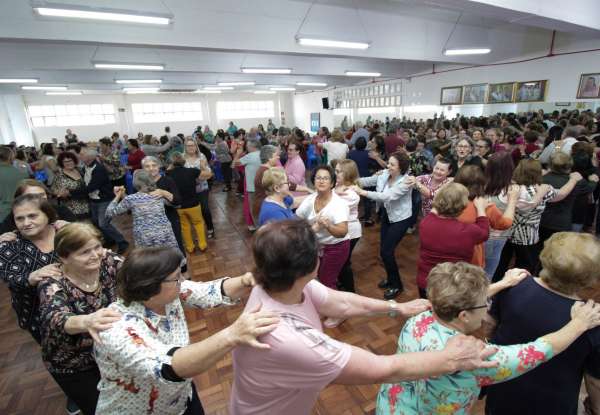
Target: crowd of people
(505, 208)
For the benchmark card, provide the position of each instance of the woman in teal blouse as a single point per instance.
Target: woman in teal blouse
(459, 294)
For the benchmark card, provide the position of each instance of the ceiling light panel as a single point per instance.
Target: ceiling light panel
(267, 70)
(282, 88)
(236, 83)
(18, 81)
(102, 14)
(217, 88)
(138, 81)
(325, 43)
(456, 52)
(311, 84)
(138, 66)
(44, 88)
(369, 74)
(65, 93)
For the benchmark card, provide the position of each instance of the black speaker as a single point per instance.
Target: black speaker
(325, 103)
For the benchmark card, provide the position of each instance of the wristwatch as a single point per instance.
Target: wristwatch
(393, 309)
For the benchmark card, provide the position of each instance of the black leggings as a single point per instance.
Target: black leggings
(194, 406)
(346, 277)
(203, 196)
(526, 256)
(226, 171)
(81, 388)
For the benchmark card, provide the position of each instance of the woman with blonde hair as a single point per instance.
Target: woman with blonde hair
(279, 201)
(459, 295)
(336, 147)
(443, 237)
(195, 159)
(541, 305)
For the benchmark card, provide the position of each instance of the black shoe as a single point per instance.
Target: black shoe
(72, 408)
(369, 223)
(122, 247)
(392, 293)
(210, 234)
(383, 284)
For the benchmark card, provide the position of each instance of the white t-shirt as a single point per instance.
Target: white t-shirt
(352, 199)
(335, 150)
(336, 211)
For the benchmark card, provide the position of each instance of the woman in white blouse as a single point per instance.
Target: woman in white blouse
(393, 195)
(328, 215)
(145, 359)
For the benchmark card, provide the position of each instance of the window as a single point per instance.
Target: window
(71, 115)
(149, 112)
(230, 110)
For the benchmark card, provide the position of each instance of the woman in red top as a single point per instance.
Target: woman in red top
(443, 237)
(135, 156)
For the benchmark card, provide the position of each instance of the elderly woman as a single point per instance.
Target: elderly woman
(463, 155)
(443, 237)
(134, 155)
(167, 188)
(29, 258)
(151, 227)
(429, 184)
(336, 147)
(459, 294)
(328, 214)
(195, 159)
(302, 360)
(189, 210)
(269, 157)
(279, 202)
(69, 186)
(72, 311)
(541, 305)
(393, 193)
(294, 166)
(146, 359)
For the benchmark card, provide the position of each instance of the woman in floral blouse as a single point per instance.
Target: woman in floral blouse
(146, 359)
(29, 258)
(72, 311)
(459, 295)
(69, 186)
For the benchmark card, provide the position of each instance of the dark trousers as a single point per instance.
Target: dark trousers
(81, 388)
(110, 233)
(422, 292)
(203, 196)
(526, 256)
(416, 206)
(367, 205)
(226, 171)
(194, 406)
(346, 278)
(391, 235)
(118, 182)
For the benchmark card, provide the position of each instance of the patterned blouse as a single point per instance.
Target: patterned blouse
(427, 181)
(526, 225)
(151, 227)
(112, 162)
(135, 355)
(77, 202)
(201, 184)
(60, 299)
(452, 394)
(18, 259)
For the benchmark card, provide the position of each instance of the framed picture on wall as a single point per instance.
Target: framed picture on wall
(499, 93)
(531, 91)
(589, 86)
(474, 94)
(451, 95)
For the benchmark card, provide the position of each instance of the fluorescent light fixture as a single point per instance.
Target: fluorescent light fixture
(65, 93)
(307, 41)
(264, 92)
(141, 90)
(101, 14)
(142, 66)
(18, 81)
(282, 88)
(217, 88)
(207, 91)
(455, 52)
(138, 81)
(369, 74)
(236, 83)
(44, 88)
(311, 84)
(267, 70)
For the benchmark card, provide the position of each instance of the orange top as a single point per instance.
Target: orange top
(497, 221)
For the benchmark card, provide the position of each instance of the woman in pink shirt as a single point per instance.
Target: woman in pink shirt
(294, 167)
(301, 360)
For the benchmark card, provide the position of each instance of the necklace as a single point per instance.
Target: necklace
(78, 282)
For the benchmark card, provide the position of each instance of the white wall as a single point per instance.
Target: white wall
(307, 103)
(14, 124)
(283, 102)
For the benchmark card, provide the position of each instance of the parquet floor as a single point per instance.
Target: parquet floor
(27, 389)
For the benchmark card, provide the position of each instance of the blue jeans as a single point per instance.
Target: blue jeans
(493, 250)
(98, 210)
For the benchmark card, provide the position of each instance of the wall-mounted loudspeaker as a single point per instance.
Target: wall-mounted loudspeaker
(325, 103)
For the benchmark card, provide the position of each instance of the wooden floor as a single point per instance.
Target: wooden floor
(27, 389)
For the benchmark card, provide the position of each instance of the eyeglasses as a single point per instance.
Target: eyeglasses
(322, 178)
(467, 146)
(178, 280)
(488, 305)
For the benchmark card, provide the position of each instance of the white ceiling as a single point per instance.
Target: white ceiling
(209, 41)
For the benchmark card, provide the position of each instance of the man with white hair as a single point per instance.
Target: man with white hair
(100, 192)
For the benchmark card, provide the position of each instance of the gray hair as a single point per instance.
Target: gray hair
(266, 152)
(90, 152)
(255, 144)
(143, 182)
(151, 159)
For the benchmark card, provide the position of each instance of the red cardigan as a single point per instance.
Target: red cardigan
(134, 159)
(447, 240)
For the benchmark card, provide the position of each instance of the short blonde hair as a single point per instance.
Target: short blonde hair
(561, 162)
(350, 170)
(451, 200)
(454, 287)
(570, 262)
(274, 176)
(74, 236)
(337, 136)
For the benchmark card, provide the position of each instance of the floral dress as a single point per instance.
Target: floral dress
(151, 227)
(427, 181)
(60, 299)
(135, 354)
(77, 202)
(452, 394)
